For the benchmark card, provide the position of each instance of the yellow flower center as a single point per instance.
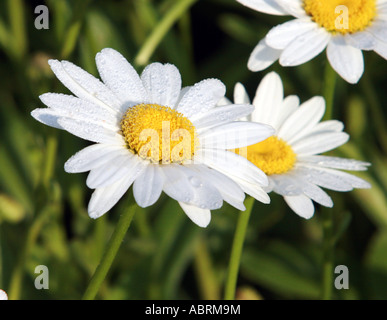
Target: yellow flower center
(342, 16)
(272, 156)
(159, 133)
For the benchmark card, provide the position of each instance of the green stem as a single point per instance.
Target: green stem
(329, 90)
(160, 30)
(236, 251)
(51, 152)
(208, 284)
(110, 253)
(376, 111)
(328, 254)
(18, 28)
(327, 213)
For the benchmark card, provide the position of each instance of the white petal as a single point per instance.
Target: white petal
(301, 205)
(335, 162)
(84, 85)
(311, 190)
(286, 184)
(92, 157)
(289, 105)
(319, 143)
(361, 40)
(183, 91)
(305, 47)
(188, 186)
(230, 190)
(252, 189)
(119, 75)
(295, 183)
(262, 56)
(122, 165)
(201, 97)
(381, 49)
(221, 115)
(303, 119)
(103, 199)
(346, 60)
(379, 29)
(329, 125)
(147, 187)
(48, 117)
(201, 217)
(265, 6)
(91, 131)
(293, 7)
(232, 164)
(345, 177)
(268, 99)
(240, 94)
(329, 179)
(236, 134)
(73, 107)
(163, 83)
(3, 295)
(322, 179)
(318, 195)
(224, 101)
(282, 35)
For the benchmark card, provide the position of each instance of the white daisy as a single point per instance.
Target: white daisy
(151, 133)
(344, 27)
(290, 157)
(3, 295)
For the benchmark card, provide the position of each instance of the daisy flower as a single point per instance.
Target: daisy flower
(290, 157)
(154, 135)
(3, 295)
(343, 27)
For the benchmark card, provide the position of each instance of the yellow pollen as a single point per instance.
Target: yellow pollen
(159, 133)
(341, 16)
(272, 156)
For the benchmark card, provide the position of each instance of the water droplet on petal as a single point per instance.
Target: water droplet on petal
(195, 182)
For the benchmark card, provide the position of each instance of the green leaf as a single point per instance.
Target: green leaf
(11, 210)
(376, 264)
(285, 270)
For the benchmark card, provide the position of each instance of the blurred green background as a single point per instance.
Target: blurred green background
(43, 218)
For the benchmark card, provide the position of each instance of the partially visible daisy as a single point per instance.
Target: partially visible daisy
(3, 295)
(343, 27)
(151, 133)
(290, 157)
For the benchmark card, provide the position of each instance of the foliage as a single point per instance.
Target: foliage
(43, 218)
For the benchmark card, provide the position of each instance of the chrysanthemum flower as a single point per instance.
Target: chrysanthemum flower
(151, 133)
(290, 157)
(344, 27)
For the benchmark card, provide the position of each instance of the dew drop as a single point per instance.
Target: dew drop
(195, 182)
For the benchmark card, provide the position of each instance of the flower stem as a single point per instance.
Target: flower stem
(236, 251)
(110, 253)
(329, 90)
(207, 280)
(328, 254)
(327, 213)
(161, 30)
